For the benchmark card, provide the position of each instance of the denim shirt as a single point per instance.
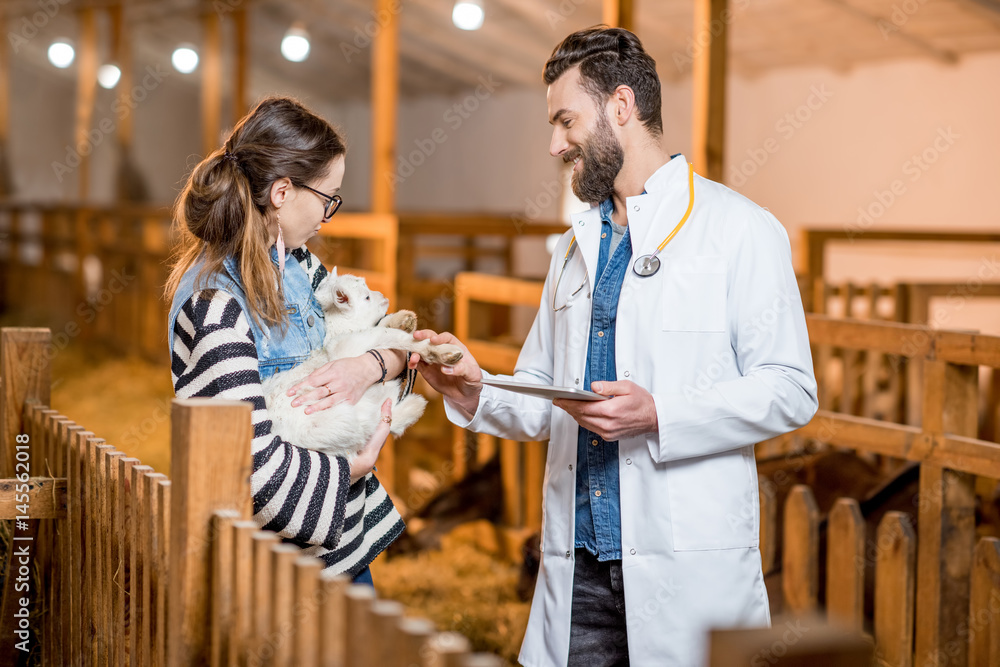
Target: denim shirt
(598, 505)
(277, 350)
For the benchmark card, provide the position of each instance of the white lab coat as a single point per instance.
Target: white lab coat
(718, 337)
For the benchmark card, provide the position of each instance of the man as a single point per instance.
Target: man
(651, 525)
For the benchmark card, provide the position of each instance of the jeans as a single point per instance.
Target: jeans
(597, 635)
(364, 577)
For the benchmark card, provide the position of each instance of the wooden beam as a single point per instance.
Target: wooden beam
(618, 14)
(46, 498)
(86, 93)
(242, 65)
(385, 103)
(211, 82)
(121, 54)
(4, 87)
(711, 32)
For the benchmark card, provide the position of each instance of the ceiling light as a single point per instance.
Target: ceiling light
(295, 45)
(468, 14)
(185, 59)
(108, 76)
(61, 53)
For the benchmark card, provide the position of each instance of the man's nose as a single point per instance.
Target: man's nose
(558, 145)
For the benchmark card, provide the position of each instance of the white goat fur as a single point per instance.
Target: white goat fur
(356, 322)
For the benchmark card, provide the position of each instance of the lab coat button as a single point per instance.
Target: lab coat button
(576, 381)
(570, 466)
(628, 462)
(568, 553)
(632, 551)
(626, 373)
(635, 208)
(311, 320)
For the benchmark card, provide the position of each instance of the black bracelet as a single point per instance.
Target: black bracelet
(381, 362)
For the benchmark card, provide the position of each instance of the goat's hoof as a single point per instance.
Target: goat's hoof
(407, 321)
(449, 354)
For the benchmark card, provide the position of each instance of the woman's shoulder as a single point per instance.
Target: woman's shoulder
(311, 264)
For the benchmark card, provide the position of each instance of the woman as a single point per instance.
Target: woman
(243, 308)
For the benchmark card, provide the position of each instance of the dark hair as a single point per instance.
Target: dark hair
(608, 58)
(225, 207)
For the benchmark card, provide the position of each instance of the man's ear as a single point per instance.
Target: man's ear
(279, 191)
(623, 104)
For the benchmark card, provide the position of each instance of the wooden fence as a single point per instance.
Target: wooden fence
(126, 566)
(937, 590)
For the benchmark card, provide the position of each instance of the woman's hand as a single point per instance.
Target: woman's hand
(337, 381)
(364, 462)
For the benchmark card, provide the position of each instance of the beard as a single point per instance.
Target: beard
(603, 158)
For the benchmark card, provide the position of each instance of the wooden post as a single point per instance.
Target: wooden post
(223, 598)
(711, 29)
(25, 374)
(984, 613)
(359, 599)
(242, 66)
(894, 590)
(308, 597)
(383, 622)
(768, 528)
(845, 565)
(86, 93)
(947, 520)
(211, 81)
(5, 90)
(242, 624)
(385, 100)
(446, 649)
(413, 635)
(800, 551)
(333, 619)
(209, 470)
(618, 14)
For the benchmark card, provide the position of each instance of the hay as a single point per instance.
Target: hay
(460, 588)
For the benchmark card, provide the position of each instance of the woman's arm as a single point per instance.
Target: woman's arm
(298, 493)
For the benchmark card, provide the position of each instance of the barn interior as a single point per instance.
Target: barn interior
(867, 127)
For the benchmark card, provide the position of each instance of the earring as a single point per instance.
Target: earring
(280, 247)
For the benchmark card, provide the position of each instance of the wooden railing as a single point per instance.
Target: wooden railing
(937, 590)
(126, 566)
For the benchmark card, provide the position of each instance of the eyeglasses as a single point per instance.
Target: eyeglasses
(333, 202)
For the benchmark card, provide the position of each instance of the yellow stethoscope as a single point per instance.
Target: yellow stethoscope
(646, 265)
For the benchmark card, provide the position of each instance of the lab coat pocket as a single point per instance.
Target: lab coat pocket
(694, 294)
(712, 503)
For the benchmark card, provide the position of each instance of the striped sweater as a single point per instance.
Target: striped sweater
(303, 495)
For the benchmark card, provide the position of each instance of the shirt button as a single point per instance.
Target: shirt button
(594, 443)
(628, 462)
(604, 235)
(597, 493)
(626, 373)
(632, 551)
(600, 334)
(311, 320)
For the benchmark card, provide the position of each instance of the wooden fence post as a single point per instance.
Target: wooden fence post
(800, 551)
(946, 521)
(894, 576)
(25, 375)
(845, 565)
(984, 612)
(209, 470)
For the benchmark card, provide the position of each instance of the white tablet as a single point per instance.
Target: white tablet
(545, 391)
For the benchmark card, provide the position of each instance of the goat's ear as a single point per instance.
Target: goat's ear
(342, 298)
(333, 272)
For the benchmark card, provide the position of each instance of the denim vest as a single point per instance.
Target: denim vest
(276, 350)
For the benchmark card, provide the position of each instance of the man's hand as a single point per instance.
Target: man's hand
(461, 382)
(630, 412)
